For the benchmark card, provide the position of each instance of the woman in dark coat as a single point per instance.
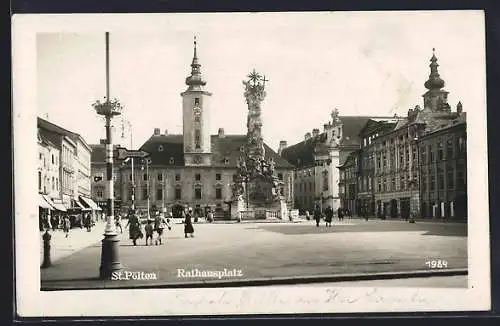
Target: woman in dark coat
(188, 225)
(329, 216)
(134, 230)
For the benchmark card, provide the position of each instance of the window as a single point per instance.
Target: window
(40, 180)
(384, 186)
(217, 176)
(145, 193)
(196, 101)
(99, 192)
(450, 179)
(160, 148)
(440, 151)
(402, 182)
(423, 155)
(440, 181)
(40, 156)
(431, 154)
(145, 177)
(218, 193)
(160, 176)
(57, 184)
(177, 177)
(159, 193)
(197, 139)
(393, 184)
(178, 193)
(171, 161)
(432, 185)
(282, 191)
(280, 176)
(53, 159)
(53, 183)
(424, 182)
(310, 186)
(325, 180)
(197, 192)
(197, 177)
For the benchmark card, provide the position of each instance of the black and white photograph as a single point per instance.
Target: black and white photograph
(250, 163)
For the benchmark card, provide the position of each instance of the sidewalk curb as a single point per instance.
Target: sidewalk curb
(100, 284)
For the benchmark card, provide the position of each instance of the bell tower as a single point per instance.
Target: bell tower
(196, 115)
(436, 98)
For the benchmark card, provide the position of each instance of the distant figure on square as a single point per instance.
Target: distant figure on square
(160, 225)
(340, 213)
(328, 216)
(317, 215)
(134, 226)
(87, 221)
(66, 225)
(188, 224)
(118, 222)
(149, 232)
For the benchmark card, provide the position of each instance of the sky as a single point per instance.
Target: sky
(362, 63)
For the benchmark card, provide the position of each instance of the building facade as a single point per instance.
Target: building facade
(48, 167)
(317, 158)
(414, 165)
(193, 169)
(73, 168)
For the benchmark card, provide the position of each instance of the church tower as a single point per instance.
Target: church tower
(196, 114)
(436, 98)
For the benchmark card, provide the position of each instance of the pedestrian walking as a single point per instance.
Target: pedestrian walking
(188, 224)
(149, 232)
(308, 217)
(329, 216)
(210, 216)
(66, 225)
(160, 225)
(134, 226)
(88, 222)
(340, 214)
(118, 222)
(317, 215)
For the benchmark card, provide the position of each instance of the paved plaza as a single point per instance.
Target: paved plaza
(270, 251)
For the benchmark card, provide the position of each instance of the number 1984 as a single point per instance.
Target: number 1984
(437, 263)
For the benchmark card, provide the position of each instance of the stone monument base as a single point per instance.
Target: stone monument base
(258, 211)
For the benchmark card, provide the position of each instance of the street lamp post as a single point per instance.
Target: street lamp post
(109, 255)
(147, 182)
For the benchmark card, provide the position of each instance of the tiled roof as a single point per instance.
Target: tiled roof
(49, 126)
(302, 154)
(50, 137)
(224, 147)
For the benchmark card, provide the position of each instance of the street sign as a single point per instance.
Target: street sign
(123, 153)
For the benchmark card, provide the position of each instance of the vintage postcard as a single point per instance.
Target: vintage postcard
(250, 163)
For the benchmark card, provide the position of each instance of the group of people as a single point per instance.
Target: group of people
(328, 214)
(158, 224)
(64, 222)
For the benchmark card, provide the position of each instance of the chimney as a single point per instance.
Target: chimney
(221, 132)
(282, 146)
(315, 132)
(307, 136)
(102, 141)
(459, 108)
(157, 132)
(166, 132)
(325, 126)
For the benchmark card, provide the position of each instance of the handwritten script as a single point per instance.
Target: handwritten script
(298, 297)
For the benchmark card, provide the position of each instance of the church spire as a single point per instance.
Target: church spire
(434, 82)
(195, 80)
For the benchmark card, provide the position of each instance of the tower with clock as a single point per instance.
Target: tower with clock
(196, 115)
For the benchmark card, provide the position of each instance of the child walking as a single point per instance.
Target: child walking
(149, 232)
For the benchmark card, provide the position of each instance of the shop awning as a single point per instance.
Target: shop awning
(78, 204)
(43, 203)
(56, 206)
(90, 203)
(59, 205)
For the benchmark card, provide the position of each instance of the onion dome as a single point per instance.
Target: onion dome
(434, 82)
(195, 79)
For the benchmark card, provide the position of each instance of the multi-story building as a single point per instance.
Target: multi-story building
(195, 168)
(317, 158)
(48, 167)
(414, 165)
(74, 165)
(99, 184)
